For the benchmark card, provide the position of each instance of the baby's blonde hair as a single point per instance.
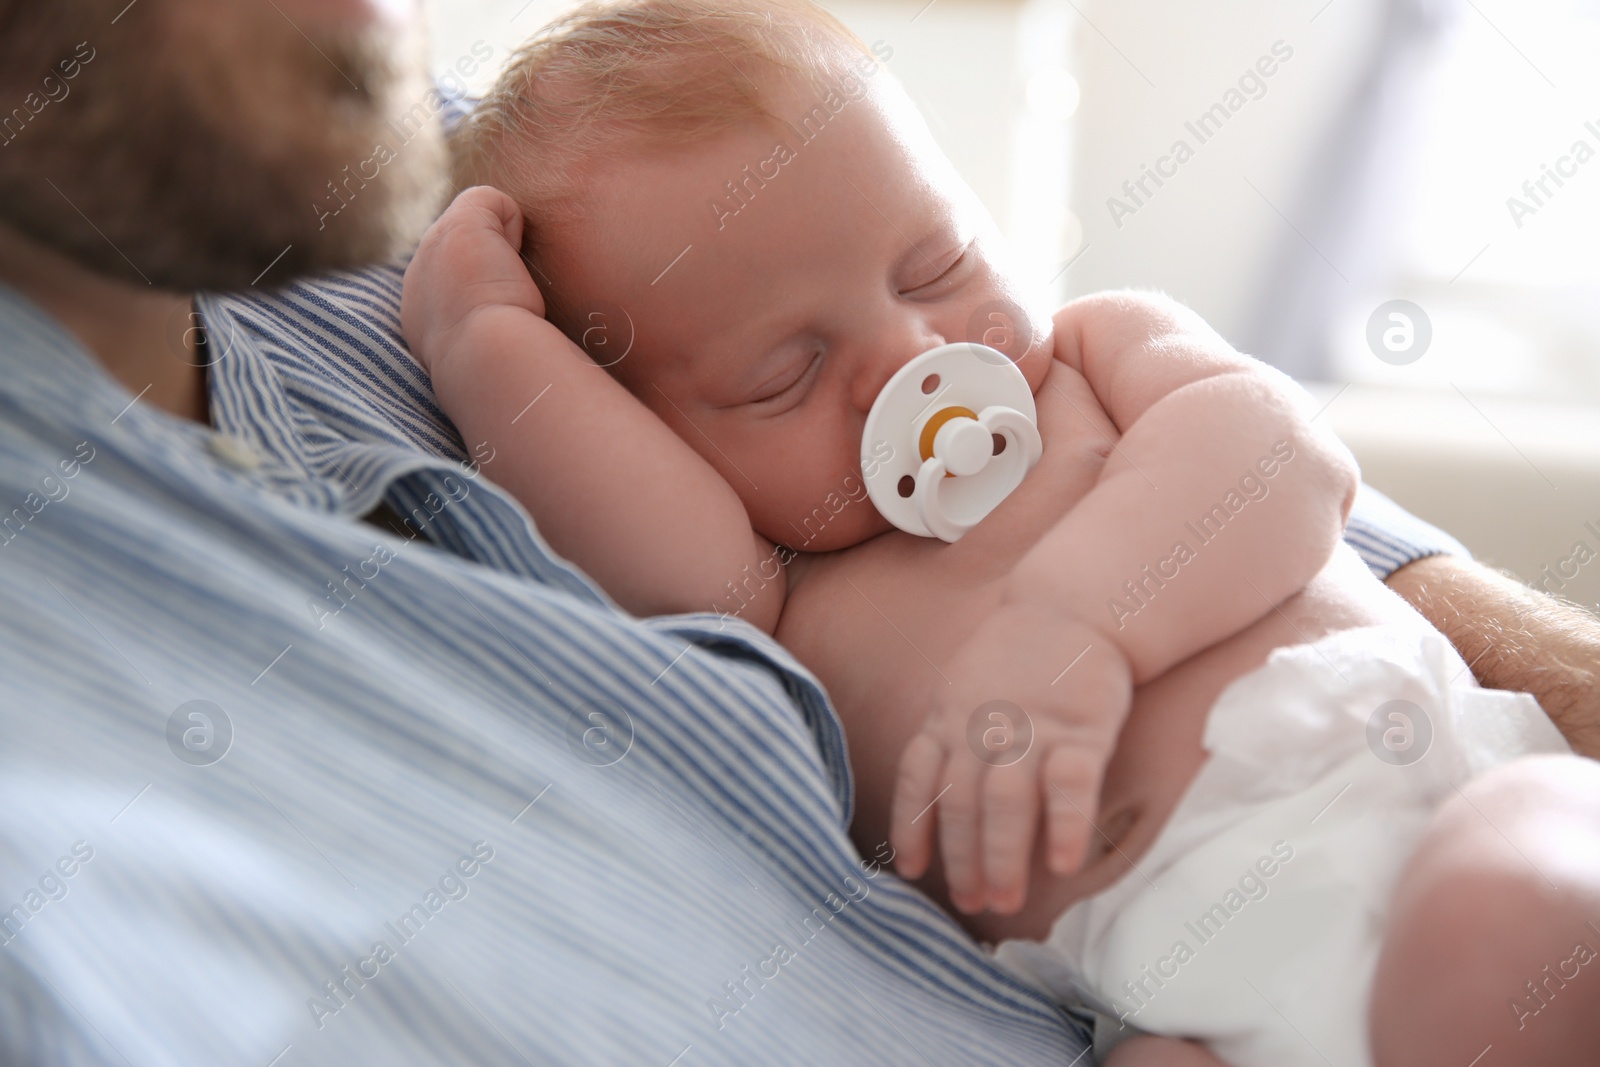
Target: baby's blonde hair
(613, 76)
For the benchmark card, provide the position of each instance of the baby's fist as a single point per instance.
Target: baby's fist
(470, 259)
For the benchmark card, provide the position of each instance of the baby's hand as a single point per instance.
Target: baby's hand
(469, 260)
(1032, 713)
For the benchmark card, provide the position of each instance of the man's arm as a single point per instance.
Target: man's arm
(611, 487)
(1514, 637)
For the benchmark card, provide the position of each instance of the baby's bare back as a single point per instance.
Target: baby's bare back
(877, 622)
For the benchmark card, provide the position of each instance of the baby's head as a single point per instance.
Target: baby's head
(738, 212)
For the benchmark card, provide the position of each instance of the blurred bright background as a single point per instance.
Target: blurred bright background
(1378, 161)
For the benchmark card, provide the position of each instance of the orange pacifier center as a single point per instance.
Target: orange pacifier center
(935, 424)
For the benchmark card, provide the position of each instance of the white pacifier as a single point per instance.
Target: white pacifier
(949, 437)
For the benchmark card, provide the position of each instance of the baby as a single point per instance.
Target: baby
(1174, 748)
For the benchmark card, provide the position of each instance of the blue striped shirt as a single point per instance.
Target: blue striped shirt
(280, 788)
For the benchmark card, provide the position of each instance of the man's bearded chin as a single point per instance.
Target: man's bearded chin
(205, 142)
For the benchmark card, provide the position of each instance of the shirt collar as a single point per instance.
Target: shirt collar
(324, 427)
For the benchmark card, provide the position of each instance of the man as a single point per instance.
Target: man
(281, 787)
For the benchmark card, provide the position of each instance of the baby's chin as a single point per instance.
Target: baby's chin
(858, 522)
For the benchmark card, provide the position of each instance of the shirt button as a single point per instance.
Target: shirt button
(234, 453)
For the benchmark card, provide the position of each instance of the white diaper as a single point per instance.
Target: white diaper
(1253, 922)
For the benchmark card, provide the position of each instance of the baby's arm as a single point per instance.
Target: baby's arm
(1203, 428)
(611, 487)
(1106, 601)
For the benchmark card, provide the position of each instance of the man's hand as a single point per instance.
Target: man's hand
(469, 260)
(1514, 637)
(1029, 721)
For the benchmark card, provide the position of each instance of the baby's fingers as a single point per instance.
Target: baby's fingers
(912, 818)
(959, 830)
(1010, 824)
(484, 205)
(1072, 791)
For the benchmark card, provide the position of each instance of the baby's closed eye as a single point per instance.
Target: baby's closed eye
(788, 388)
(934, 276)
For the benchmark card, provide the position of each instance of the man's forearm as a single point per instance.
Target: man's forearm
(1514, 637)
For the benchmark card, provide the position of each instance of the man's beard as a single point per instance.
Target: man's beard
(207, 141)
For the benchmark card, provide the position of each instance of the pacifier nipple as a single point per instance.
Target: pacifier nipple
(950, 436)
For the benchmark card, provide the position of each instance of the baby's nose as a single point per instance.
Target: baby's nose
(880, 363)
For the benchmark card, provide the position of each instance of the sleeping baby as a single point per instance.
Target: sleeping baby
(1148, 728)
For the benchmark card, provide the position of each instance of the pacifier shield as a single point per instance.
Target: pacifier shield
(952, 433)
